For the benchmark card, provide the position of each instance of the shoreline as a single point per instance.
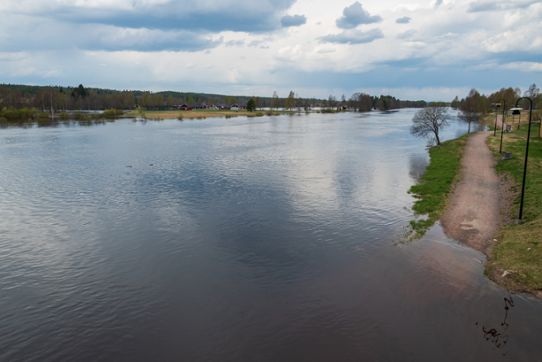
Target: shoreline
(181, 115)
(479, 206)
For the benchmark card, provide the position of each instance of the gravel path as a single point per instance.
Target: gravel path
(472, 215)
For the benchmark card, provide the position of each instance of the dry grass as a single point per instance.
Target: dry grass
(196, 114)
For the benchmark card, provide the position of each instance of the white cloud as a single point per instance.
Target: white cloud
(524, 66)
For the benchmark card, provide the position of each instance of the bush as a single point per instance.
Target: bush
(22, 114)
(251, 105)
(112, 113)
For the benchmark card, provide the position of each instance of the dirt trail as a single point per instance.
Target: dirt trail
(472, 215)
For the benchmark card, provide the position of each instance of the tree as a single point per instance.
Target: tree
(365, 103)
(290, 101)
(469, 117)
(251, 105)
(275, 103)
(429, 121)
(455, 103)
(532, 92)
(472, 107)
(332, 101)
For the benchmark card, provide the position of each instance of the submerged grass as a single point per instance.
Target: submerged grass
(432, 191)
(516, 259)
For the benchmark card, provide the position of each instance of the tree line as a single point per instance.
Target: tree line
(476, 105)
(429, 121)
(480, 103)
(47, 98)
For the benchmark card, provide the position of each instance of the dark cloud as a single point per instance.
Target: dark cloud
(484, 5)
(355, 15)
(192, 15)
(152, 41)
(293, 20)
(52, 35)
(403, 20)
(140, 25)
(353, 37)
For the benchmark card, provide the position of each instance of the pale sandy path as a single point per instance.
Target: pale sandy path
(472, 215)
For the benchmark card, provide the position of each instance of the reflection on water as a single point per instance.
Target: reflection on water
(418, 163)
(243, 239)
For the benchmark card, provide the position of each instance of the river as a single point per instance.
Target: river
(264, 239)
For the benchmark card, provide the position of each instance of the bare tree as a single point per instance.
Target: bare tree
(469, 117)
(429, 121)
(532, 92)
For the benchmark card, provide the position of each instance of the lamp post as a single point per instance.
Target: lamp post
(496, 105)
(526, 154)
(502, 123)
(517, 112)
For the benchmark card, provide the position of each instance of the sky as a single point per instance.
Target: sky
(413, 49)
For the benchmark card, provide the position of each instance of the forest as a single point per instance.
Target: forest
(59, 99)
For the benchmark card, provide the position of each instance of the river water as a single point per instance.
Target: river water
(265, 239)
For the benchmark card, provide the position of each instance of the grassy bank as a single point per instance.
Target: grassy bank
(32, 115)
(432, 191)
(197, 114)
(516, 259)
(17, 115)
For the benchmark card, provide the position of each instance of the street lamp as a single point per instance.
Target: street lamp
(496, 105)
(526, 154)
(517, 112)
(502, 123)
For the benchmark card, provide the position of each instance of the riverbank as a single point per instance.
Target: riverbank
(475, 194)
(516, 259)
(29, 115)
(435, 185)
(197, 114)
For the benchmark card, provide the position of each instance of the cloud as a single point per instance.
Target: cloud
(403, 20)
(484, 5)
(353, 37)
(524, 66)
(50, 35)
(293, 20)
(192, 15)
(355, 15)
(407, 35)
(236, 46)
(438, 3)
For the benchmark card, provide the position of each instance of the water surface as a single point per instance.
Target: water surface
(260, 239)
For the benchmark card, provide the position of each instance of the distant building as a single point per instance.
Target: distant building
(235, 108)
(185, 107)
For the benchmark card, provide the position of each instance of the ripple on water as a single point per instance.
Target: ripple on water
(268, 239)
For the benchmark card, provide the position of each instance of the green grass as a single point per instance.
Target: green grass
(432, 191)
(519, 247)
